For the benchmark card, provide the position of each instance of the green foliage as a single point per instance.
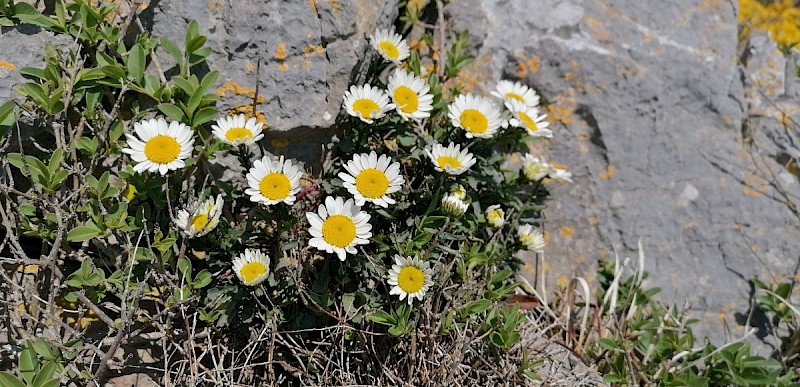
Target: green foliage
(656, 345)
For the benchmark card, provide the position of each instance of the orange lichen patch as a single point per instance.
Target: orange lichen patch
(608, 173)
(336, 7)
(249, 68)
(592, 221)
(280, 52)
(473, 77)
(529, 268)
(562, 109)
(313, 5)
(546, 237)
(545, 266)
(143, 6)
(283, 67)
(28, 269)
(216, 5)
(597, 29)
(247, 110)
(417, 44)
(279, 142)
(754, 186)
(558, 165)
(231, 89)
(312, 49)
(581, 259)
(526, 66)
(566, 231)
(569, 76)
(416, 5)
(562, 281)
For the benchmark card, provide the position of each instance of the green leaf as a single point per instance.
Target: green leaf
(6, 109)
(9, 380)
(202, 279)
(382, 317)
(171, 111)
(478, 306)
(136, 62)
(172, 49)
(609, 345)
(185, 266)
(83, 233)
(42, 349)
(204, 115)
(45, 375)
(50, 383)
(28, 364)
(113, 71)
(209, 80)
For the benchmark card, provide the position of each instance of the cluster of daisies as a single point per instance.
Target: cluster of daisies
(340, 224)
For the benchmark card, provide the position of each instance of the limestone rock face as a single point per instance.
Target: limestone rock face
(651, 118)
(309, 52)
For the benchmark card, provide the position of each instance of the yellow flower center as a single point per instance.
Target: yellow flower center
(526, 239)
(251, 271)
(528, 121)
(234, 134)
(389, 49)
(474, 121)
(365, 107)
(372, 183)
(130, 192)
(532, 170)
(199, 221)
(406, 99)
(494, 215)
(515, 96)
(447, 161)
(339, 231)
(275, 186)
(411, 279)
(162, 149)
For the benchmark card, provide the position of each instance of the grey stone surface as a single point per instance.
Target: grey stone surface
(22, 46)
(650, 108)
(309, 52)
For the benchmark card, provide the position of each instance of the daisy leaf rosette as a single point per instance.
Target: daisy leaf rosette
(366, 103)
(528, 118)
(235, 130)
(411, 94)
(273, 181)
(451, 160)
(370, 178)
(202, 219)
(159, 146)
(390, 45)
(509, 91)
(410, 278)
(338, 227)
(251, 267)
(480, 117)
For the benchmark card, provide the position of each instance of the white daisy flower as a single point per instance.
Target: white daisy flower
(453, 205)
(478, 116)
(495, 216)
(366, 102)
(560, 174)
(390, 45)
(372, 179)
(459, 191)
(529, 119)
(452, 159)
(273, 181)
(410, 278)
(515, 91)
(235, 130)
(339, 226)
(159, 146)
(533, 168)
(252, 267)
(201, 219)
(411, 95)
(531, 238)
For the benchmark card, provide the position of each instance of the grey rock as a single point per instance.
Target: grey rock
(649, 110)
(309, 53)
(23, 46)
